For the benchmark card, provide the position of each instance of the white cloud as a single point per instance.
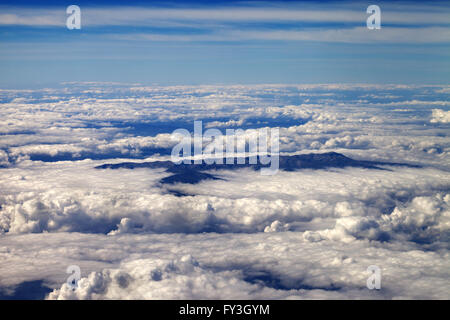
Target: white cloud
(205, 266)
(4, 161)
(440, 116)
(312, 233)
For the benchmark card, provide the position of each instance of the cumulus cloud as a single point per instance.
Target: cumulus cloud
(63, 197)
(4, 161)
(303, 234)
(204, 266)
(183, 278)
(440, 116)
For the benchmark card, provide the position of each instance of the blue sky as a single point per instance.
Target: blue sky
(203, 42)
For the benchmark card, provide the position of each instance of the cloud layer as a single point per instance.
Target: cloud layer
(298, 234)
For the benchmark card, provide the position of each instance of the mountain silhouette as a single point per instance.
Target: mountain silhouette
(193, 173)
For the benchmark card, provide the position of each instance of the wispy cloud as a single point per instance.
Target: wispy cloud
(132, 16)
(410, 24)
(347, 35)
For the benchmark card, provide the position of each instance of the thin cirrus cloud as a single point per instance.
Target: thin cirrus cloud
(353, 35)
(346, 24)
(124, 15)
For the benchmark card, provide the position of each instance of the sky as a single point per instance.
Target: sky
(86, 113)
(226, 42)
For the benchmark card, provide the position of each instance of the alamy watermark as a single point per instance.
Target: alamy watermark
(259, 146)
(374, 280)
(74, 19)
(75, 276)
(374, 20)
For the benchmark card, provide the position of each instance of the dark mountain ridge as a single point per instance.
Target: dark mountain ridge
(193, 173)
